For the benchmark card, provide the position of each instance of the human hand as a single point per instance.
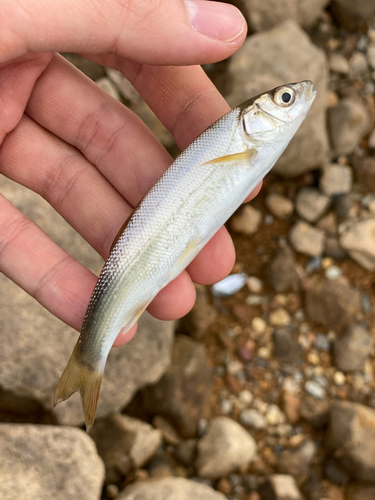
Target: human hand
(88, 155)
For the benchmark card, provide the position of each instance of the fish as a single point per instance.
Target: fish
(195, 196)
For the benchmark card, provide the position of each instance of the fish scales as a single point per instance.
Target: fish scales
(189, 203)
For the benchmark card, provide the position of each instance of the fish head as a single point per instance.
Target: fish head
(276, 115)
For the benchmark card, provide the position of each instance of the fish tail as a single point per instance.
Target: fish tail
(80, 376)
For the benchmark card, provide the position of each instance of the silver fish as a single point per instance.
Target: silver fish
(190, 202)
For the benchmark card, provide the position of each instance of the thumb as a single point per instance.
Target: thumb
(148, 31)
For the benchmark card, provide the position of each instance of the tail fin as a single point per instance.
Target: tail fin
(80, 376)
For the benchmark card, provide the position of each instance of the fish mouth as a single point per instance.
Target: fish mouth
(310, 91)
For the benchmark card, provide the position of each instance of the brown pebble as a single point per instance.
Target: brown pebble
(334, 492)
(246, 351)
(291, 407)
(224, 486)
(254, 496)
(240, 311)
(234, 384)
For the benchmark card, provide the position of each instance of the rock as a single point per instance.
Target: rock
(347, 124)
(360, 492)
(307, 239)
(269, 13)
(279, 317)
(108, 87)
(336, 179)
(44, 462)
(225, 447)
(247, 221)
(284, 272)
(332, 304)
(352, 349)
(274, 416)
(351, 436)
(286, 348)
(358, 239)
(168, 432)
(334, 473)
(371, 55)
(254, 419)
(280, 487)
(358, 64)
(254, 284)
(37, 345)
(279, 206)
(333, 249)
(170, 488)
(311, 204)
(338, 64)
(296, 461)
(291, 405)
(285, 54)
(185, 451)
(315, 390)
(183, 393)
(314, 411)
(201, 316)
(352, 15)
(124, 443)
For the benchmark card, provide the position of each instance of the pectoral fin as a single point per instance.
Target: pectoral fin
(245, 156)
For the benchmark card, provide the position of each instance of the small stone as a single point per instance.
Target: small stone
(225, 447)
(333, 248)
(315, 390)
(176, 488)
(285, 346)
(124, 443)
(352, 349)
(338, 64)
(284, 272)
(311, 204)
(279, 317)
(264, 352)
(246, 351)
(334, 473)
(336, 179)
(371, 55)
(108, 87)
(224, 486)
(185, 451)
(269, 220)
(331, 303)
(280, 487)
(258, 325)
(168, 432)
(229, 286)
(322, 342)
(332, 99)
(333, 273)
(247, 221)
(315, 411)
(358, 239)
(112, 491)
(297, 462)
(313, 358)
(328, 224)
(307, 239)
(291, 405)
(279, 206)
(201, 316)
(358, 64)
(234, 366)
(351, 437)
(347, 123)
(274, 416)
(254, 284)
(245, 397)
(339, 378)
(253, 419)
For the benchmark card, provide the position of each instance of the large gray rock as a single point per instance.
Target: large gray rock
(170, 488)
(124, 443)
(353, 14)
(351, 436)
(264, 14)
(225, 447)
(352, 349)
(37, 346)
(44, 462)
(358, 240)
(183, 393)
(307, 239)
(282, 55)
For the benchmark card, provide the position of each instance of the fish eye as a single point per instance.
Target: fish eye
(284, 96)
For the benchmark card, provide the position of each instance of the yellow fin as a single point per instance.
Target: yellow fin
(80, 376)
(244, 156)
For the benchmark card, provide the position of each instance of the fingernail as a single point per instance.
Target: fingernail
(220, 21)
